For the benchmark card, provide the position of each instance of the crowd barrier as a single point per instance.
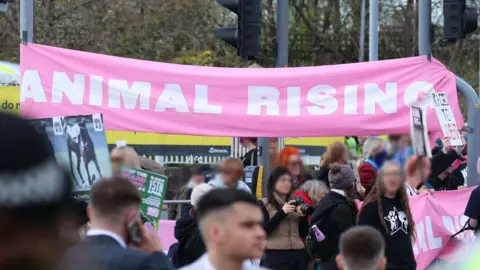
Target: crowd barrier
(437, 217)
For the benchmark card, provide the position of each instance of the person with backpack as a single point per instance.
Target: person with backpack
(284, 223)
(387, 209)
(335, 214)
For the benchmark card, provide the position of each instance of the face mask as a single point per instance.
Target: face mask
(380, 158)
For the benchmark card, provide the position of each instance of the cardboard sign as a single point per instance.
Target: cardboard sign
(418, 124)
(446, 118)
(80, 146)
(152, 187)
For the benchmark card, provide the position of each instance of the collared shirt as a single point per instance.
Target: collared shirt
(339, 191)
(94, 232)
(411, 191)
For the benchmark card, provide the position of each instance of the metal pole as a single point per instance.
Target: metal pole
(373, 31)
(361, 56)
(474, 137)
(424, 21)
(26, 20)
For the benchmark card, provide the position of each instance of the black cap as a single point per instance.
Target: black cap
(31, 181)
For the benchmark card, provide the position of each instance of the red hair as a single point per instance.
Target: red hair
(284, 155)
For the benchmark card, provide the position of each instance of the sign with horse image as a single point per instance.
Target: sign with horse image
(80, 145)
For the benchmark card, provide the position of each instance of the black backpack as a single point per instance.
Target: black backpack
(320, 250)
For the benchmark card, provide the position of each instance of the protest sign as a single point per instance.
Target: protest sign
(446, 118)
(418, 126)
(152, 187)
(80, 145)
(143, 96)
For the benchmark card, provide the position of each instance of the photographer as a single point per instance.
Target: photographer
(285, 224)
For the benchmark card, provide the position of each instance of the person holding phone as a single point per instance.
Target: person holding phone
(117, 238)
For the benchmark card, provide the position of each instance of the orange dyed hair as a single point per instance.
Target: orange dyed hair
(284, 155)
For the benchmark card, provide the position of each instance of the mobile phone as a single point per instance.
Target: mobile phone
(134, 236)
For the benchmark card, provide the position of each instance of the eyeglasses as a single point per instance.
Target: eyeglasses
(295, 163)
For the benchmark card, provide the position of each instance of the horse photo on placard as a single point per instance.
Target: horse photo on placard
(80, 145)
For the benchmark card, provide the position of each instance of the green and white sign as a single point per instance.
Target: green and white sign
(152, 187)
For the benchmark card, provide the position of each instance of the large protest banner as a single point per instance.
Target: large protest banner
(352, 99)
(152, 187)
(80, 146)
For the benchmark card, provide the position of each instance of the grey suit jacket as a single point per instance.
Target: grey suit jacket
(101, 252)
(202, 264)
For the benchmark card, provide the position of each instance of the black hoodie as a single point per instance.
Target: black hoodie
(190, 242)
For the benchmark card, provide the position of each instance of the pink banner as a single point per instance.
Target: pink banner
(135, 95)
(437, 217)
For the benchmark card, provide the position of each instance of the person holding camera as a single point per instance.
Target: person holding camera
(285, 224)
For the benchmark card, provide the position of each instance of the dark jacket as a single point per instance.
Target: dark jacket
(440, 162)
(190, 243)
(322, 175)
(102, 252)
(175, 210)
(341, 217)
(250, 158)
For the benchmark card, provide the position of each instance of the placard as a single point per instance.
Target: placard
(80, 146)
(152, 187)
(446, 118)
(419, 134)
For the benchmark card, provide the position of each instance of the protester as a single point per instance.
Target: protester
(35, 198)
(400, 148)
(197, 177)
(417, 170)
(284, 223)
(386, 208)
(361, 248)
(374, 156)
(353, 146)
(250, 158)
(335, 214)
(472, 211)
(151, 165)
(190, 243)
(124, 156)
(230, 174)
(311, 192)
(361, 141)
(115, 222)
(289, 157)
(336, 152)
(230, 223)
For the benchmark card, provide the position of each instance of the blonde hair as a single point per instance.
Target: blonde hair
(314, 189)
(129, 156)
(372, 146)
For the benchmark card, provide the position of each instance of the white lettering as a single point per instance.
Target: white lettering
(293, 100)
(119, 89)
(325, 104)
(201, 101)
(63, 85)
(374, 95)
(351, 101)
(31, 87)
(416, 89)
(420, 230)
(433, 242)
(263, 96)
(172, 98)
(96, 91)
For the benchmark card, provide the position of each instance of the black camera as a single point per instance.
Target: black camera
(305, 208)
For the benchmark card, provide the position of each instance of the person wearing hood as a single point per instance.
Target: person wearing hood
(175, 211)
(375, 155)
(230, 175)
(190, 243)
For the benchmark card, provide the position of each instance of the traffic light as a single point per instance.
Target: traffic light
(245, 37)
(459, 20)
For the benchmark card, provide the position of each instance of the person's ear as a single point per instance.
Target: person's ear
(89, 211)
(382, 263)
(339, 261)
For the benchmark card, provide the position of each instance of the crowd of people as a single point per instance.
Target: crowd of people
(307, 219)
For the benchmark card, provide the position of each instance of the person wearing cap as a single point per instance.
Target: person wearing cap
(336, 213)
(190, 245)
(35, 197)
(197, 177)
